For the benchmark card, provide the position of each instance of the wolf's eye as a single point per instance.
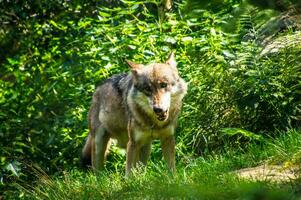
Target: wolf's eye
(163, 85)
(147, 89)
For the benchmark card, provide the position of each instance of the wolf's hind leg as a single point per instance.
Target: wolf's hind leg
(86, 152)
(99, 148)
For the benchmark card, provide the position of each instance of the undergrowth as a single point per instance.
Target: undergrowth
(209, 177)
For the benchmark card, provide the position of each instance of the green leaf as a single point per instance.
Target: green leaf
(239, 131)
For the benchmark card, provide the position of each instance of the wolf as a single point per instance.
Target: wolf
(135, 108)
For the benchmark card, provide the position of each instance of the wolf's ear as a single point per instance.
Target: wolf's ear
(135, 67)
(171, 60)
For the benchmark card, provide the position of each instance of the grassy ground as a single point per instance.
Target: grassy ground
(209, 177)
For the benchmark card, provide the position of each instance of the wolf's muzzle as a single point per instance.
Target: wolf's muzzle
(161, 114)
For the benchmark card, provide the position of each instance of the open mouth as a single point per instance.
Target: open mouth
(162, 116)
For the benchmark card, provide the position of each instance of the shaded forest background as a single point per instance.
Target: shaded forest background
(241, 59)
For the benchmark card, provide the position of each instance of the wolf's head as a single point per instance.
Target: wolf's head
(157, 87)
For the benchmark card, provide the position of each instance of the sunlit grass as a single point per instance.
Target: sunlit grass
(209, 177)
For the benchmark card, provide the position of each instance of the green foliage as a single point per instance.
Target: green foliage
(53, 55)
(238, 131)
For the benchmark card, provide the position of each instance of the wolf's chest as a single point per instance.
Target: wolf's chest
(148, 134)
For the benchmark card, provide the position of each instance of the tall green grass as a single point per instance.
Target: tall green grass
(208, 177)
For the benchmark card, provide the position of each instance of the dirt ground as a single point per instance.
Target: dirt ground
(267, 172)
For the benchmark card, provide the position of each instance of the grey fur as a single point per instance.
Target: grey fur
(136, 108)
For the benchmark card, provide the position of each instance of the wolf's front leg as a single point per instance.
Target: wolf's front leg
(132, 154)
(133, 149)
(168, 149)
(145, 152)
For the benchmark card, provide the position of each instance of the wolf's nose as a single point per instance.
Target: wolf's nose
(158, 110)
